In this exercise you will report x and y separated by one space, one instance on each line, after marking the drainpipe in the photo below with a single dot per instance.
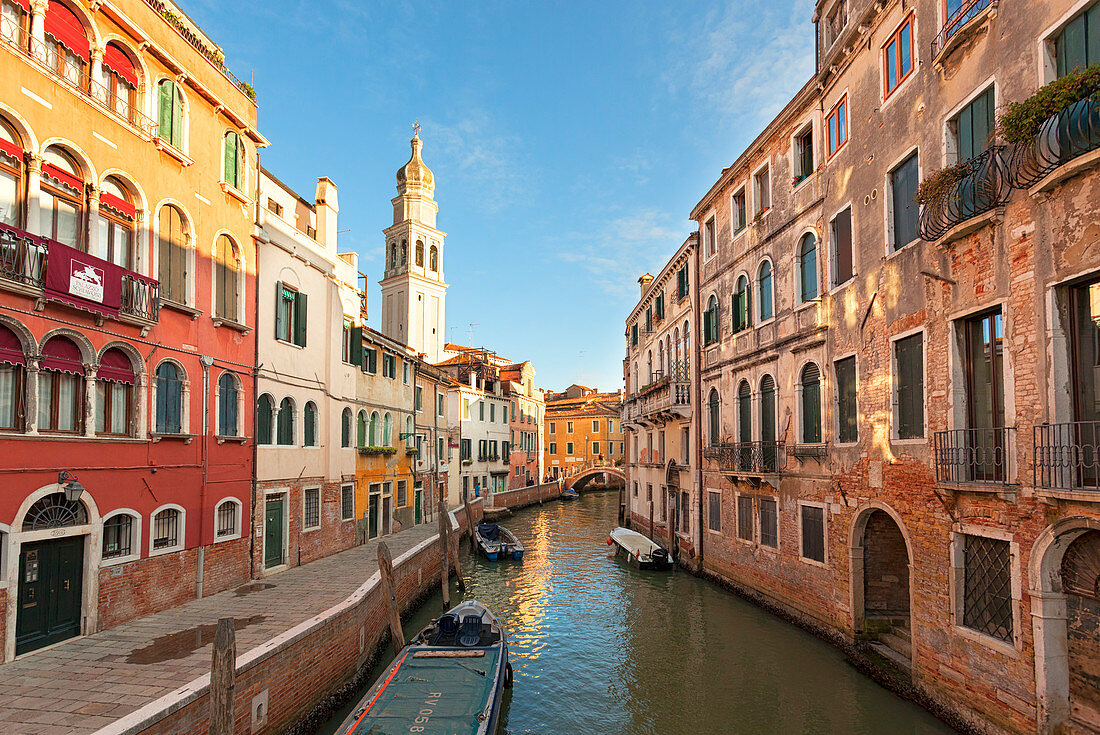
206 361
697 351
255 379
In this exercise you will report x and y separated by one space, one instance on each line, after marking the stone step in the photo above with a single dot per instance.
887 652
902 645
902 632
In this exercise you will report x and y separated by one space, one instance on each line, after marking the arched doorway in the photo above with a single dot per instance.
51 572
880 580
1081 585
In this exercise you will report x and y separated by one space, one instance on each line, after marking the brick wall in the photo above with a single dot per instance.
146 586
303 546
526 496
885 567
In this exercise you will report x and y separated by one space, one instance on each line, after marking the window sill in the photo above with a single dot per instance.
229 323
232 439
223 539
165 147
988 641
796 185
185 438
168 550
311 529
1080 496
909 442
235 193
843 285
812 562
73 438
183 308
117 561
289 344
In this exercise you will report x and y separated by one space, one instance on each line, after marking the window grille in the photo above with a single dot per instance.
117 537
987 590
166 529
347 502
227 519
312 507
54 511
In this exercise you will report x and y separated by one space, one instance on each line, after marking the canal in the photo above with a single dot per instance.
600 647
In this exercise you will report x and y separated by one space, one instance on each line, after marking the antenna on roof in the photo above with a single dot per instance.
470 333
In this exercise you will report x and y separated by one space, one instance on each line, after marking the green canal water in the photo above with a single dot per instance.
601 647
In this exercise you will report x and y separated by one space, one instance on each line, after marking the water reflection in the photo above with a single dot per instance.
600 647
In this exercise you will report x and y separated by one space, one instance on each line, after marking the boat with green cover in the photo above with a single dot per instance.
449 681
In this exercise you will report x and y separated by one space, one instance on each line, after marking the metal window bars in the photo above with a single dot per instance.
22 257
987 586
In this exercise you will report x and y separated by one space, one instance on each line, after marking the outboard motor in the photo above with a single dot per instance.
660 556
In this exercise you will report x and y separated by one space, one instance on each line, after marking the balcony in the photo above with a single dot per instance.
974 456
1068 135
1067 457
752 459
969 189
667 398
45 269
959 25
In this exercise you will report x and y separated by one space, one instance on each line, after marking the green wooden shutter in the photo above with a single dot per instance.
229 159
300 319
238 169
356 345
706 326
280 312
177 118
164 110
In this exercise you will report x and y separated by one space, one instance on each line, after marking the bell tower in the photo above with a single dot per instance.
414 294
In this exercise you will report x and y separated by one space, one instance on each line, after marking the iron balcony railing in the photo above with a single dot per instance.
140 297
756 458
1067 456
979 456
1073 132
984 186
22 257
966 13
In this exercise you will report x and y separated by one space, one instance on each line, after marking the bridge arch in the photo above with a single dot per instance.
583 477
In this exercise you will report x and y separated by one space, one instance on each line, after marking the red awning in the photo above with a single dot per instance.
63 25
120 63
11 149
119 205
115 367
62 355
11 349
25 4
62 176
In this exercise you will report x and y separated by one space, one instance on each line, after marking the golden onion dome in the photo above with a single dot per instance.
415 173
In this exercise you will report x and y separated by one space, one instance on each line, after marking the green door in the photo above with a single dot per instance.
417 494
51 574
372 515
273 533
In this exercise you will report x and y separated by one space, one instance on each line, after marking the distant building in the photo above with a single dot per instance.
528 410
582 425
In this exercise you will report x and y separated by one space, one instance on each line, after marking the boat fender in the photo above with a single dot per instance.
508 675
609 541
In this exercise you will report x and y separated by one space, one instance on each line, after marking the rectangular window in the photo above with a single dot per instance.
659 306
769 523
290 315
611 426
370 360
440 449
985 408
596 425
402 494
1078 45
709 232
714 508
840 231
419 398
389 366
569 448
904 210
837 127
553 448
405 373
553 429
635 489
909 382
481 410
987 586
973 128
568 427
482 449
897 57
846 409
737 211
466 408
467 449
804 155
492 412
648 319
682 283
311 508
685 513
744 517
347 502
634 335
345 346
438 404
596 448
761 191
813 533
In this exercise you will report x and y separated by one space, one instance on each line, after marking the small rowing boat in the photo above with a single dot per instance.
570 494
639 550
450 679
498 543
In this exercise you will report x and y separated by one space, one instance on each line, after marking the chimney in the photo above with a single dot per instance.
328 207
645 280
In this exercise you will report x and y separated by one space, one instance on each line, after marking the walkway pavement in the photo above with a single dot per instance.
86 683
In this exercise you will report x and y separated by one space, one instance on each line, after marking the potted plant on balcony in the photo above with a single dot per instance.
1022 121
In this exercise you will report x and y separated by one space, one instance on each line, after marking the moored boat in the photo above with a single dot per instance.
450 679
639 550
570 494
498 543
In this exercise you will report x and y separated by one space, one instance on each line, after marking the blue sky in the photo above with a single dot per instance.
569 140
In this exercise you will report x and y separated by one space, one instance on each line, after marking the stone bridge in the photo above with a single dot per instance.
583 475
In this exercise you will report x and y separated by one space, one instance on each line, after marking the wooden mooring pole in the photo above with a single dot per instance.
445 563
469 520
223 666
458 563
385 568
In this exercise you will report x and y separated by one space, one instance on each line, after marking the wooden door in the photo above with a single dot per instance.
51 574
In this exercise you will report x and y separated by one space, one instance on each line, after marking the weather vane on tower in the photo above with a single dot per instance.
416 129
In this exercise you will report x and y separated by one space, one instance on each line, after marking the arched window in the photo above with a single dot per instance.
714 418
61 197
765 307
116 223
661 360
284 425
676 347
387 431
363 436
404 252
228 395
119 82
309 425
170 118
687 340
742 305
420 253
345 428
710 321
807 267
811 404
119 539
233 160
265 419
172 270
13 375
433 258
393 255
169 399
226 270
114 397
67 47
11 168
15 23
649 367
167 531
227 519
55 511
770 452
61 387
